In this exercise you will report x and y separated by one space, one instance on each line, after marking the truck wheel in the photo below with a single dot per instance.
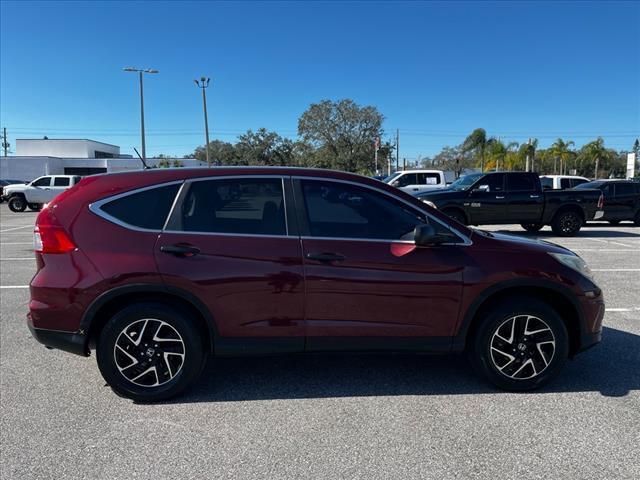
35 207
457 215
567 223
17 204
532 227
520 345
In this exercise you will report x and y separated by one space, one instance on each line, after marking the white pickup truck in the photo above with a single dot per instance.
417 181
38 192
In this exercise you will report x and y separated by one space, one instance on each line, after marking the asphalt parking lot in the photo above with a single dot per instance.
340 416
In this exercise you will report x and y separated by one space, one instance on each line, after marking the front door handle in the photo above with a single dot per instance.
534 196
180 250
499 197
325 257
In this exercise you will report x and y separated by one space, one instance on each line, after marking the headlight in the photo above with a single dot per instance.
431 204
574 262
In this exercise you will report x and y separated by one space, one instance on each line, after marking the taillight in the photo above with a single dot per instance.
49 236
601 201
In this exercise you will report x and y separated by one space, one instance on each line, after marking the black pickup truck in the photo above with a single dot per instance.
515 197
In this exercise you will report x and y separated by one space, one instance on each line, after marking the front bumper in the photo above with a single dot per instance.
71 342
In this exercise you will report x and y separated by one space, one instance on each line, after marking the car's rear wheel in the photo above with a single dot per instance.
457 215
520 345
532 227
17 204
150 352
567 223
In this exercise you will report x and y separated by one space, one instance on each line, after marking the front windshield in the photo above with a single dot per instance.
390 178
463 183
589 185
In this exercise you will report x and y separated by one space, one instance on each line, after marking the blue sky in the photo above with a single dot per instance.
435 70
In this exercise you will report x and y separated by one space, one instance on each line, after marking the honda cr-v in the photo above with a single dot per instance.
156 270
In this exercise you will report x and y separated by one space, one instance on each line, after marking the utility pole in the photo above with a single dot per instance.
376 146
140 71
203 84
596 173
397 149
5 142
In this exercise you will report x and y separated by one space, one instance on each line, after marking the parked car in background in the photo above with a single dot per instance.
417 181
561 182
5 182
239 261
38 192
621 199
515 197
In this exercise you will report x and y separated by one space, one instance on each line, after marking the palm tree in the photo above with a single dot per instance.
477 142
595 151
528 151
560 151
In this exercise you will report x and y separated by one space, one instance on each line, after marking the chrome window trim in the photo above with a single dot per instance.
466 240
189 181
94 207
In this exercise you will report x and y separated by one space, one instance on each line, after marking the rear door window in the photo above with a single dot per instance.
565 183
61 181
624 189
146 209
246 206
428 179
547 183
521 183
578 181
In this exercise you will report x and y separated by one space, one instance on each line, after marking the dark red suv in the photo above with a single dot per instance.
158 269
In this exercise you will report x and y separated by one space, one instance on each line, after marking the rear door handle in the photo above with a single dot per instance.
180 250
499 198
534 196
325 257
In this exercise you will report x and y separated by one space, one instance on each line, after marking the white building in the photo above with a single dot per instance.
65 148
72 157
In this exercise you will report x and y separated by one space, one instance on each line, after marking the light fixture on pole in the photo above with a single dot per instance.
140 72
203 83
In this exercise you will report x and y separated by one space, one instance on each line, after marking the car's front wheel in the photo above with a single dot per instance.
532 227
17 204
150 352
520 345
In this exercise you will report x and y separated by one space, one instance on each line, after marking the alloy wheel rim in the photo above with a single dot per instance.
149 352
522 347
569 223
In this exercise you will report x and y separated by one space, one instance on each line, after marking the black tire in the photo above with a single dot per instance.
457 215
534 354
180 336
532 227
614 222
567 223
17 204
34 207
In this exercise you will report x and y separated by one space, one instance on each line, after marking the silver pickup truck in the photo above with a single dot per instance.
38 192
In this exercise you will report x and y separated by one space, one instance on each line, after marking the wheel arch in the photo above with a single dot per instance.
103 308
573 207
560 298
455 208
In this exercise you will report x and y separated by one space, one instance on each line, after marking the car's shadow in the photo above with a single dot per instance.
611 368
585 232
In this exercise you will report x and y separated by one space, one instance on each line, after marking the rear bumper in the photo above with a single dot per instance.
71 342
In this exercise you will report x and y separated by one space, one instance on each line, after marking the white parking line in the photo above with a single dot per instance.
609 242
16 228
13 286
632 309
17 243
604 249
16 259
615 269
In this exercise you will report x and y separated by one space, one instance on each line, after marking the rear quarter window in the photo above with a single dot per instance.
144 209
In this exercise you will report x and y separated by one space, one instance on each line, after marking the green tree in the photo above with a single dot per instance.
264 148
528 150
561 152
477 142
220 153
343 134
591 156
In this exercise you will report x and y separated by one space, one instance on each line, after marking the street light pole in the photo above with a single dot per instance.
140 71
203 83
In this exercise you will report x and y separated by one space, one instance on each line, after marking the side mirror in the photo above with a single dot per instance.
425 235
